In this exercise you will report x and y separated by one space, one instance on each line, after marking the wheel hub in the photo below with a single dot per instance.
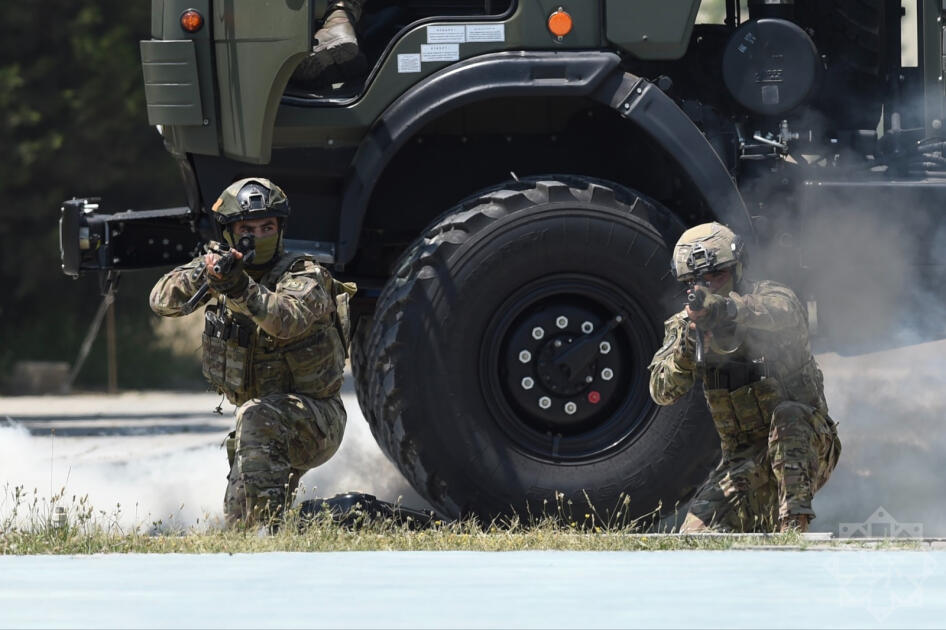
553 386
563 373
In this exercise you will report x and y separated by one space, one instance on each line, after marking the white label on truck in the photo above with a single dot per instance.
446 34
408 63
439 52
485 32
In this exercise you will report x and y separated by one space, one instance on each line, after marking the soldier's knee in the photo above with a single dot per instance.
258 421
790 422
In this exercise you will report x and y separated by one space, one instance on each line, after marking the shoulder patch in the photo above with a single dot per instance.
294 284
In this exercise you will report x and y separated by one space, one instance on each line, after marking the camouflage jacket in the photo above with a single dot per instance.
769 336
279 336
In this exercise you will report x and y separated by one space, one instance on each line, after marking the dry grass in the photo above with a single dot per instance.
35 526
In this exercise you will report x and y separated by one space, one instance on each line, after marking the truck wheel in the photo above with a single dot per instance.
507 357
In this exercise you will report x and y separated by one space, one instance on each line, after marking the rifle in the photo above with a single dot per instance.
246 246
695 299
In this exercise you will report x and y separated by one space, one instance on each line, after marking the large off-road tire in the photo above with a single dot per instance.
458 378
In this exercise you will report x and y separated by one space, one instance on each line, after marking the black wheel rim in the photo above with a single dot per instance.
562 364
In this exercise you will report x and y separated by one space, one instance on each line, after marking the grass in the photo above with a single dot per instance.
35 526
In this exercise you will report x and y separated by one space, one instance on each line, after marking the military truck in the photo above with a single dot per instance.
506 184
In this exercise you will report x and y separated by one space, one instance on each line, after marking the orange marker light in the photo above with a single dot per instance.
560 23
191 21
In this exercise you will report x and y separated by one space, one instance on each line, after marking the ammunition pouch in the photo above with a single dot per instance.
244 362
743 414
226 353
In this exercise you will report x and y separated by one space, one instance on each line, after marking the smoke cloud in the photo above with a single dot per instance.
142 476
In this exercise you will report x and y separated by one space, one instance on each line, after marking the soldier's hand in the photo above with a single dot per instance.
232 282
212 258
684 353
715 313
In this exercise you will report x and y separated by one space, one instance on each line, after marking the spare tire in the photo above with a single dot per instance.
506 363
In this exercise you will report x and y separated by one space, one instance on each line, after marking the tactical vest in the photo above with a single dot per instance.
743 389
243 362
742 411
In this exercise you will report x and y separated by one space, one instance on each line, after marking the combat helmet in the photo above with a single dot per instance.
253 198
707 248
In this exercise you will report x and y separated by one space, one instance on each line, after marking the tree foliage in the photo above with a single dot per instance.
72 123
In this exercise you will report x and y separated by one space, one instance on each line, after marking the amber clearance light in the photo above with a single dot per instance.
560 23
192 21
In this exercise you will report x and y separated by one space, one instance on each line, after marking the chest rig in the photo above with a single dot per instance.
743 388
243 362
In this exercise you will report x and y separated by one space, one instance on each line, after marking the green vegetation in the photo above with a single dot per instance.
73 123
32 526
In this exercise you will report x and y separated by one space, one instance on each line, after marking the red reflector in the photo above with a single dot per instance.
191 21
594 397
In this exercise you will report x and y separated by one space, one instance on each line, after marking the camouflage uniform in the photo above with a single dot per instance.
274 343
779 445
276 353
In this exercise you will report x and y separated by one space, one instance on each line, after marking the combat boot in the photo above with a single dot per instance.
336 56
793 523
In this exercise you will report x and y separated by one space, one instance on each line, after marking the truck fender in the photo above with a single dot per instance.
595 75
650 109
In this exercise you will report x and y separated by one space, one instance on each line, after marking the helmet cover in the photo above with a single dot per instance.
705 248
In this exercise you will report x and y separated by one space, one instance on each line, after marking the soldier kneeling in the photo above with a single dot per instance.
274 343
748 343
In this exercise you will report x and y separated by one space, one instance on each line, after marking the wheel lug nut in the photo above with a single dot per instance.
527 382
607 374
561 321
545 402
587 327
525 356
570 407
558 343
538 333
604 347
589 379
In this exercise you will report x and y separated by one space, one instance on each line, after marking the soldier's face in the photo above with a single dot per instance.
260 228
716 280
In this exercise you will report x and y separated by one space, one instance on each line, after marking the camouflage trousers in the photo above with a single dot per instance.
770 478
277 439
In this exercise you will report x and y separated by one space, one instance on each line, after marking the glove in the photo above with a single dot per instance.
233 283
717 312
684 348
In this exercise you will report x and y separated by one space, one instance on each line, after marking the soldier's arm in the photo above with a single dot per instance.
773 308
176 287
672 370
299 302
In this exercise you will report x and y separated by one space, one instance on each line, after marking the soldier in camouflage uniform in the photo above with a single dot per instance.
761 382
275 339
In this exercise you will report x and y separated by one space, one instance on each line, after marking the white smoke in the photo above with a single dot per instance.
890 407
176 479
